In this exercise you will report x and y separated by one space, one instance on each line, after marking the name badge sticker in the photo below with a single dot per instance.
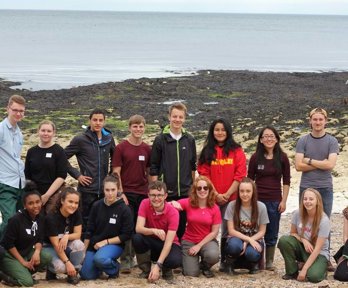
141 158
112 221
48 155
28 231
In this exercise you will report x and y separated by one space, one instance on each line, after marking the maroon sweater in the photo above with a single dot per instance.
268 181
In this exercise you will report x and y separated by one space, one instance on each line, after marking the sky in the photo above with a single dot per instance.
330 7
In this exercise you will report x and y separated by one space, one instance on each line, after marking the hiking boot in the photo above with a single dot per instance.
50 275
74 280
330 267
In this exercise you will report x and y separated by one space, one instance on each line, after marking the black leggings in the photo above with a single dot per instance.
341 272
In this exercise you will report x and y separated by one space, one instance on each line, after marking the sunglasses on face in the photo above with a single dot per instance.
200 188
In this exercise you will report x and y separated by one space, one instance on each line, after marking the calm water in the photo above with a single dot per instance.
57 49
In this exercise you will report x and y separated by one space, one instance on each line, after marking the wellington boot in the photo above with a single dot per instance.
270 250
144 264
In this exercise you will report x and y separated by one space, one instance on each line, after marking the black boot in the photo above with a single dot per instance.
9 281
254 268
205 267
50 275
229 265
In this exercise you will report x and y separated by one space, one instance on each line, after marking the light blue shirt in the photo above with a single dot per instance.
11 165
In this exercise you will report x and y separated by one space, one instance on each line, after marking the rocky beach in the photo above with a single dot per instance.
249 100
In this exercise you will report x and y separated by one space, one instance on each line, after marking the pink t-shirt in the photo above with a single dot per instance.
199 221
167 220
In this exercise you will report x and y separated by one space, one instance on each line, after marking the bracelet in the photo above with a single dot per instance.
66 261
159 264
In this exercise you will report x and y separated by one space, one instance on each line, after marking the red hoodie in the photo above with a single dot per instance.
224 170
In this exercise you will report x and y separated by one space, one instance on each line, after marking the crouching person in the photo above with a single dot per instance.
110 224
155 239
23 239
308 240
64 228
247 219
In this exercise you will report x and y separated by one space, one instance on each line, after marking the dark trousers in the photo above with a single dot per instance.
143 243
341 272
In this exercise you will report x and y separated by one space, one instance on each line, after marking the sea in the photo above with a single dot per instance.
63 49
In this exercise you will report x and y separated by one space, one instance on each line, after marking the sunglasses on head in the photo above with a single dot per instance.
200 188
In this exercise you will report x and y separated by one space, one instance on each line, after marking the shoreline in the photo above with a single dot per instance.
249 100
61 82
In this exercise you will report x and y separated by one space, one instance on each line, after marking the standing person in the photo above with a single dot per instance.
12 178
203 224
23 241
223 161
110 225
316 155
46 165
131 162
63 229
246 222
269 166
155 237
173 158
93 150
308 240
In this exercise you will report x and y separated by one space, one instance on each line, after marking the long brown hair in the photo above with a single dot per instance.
254 207
319 211
193 192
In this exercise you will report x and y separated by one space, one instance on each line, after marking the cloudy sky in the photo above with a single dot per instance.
339 7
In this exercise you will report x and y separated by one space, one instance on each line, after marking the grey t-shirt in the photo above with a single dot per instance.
324 231
318 149
245 217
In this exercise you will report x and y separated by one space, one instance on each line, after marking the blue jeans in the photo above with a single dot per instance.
272 229
234 247
102 260
327 197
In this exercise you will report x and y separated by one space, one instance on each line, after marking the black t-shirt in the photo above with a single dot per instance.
58 225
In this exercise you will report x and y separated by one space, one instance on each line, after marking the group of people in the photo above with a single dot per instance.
136 200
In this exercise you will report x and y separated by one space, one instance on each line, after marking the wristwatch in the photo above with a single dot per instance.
310 161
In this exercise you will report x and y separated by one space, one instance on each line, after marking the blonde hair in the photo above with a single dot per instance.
47 122
177 105
136 119
319 212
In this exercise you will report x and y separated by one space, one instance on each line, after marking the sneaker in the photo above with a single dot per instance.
74 280
9 281
50 275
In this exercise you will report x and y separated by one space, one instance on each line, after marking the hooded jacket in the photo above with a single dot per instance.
93 156
173 162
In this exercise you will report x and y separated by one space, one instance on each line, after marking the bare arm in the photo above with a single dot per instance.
326 164
117 170
168 242
312 257
282 204
212 235
300 165
141 229
53 188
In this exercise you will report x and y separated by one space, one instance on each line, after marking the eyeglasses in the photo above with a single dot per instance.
200 188
268 137
159 196
16 111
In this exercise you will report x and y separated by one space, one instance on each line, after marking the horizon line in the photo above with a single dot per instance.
174 12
